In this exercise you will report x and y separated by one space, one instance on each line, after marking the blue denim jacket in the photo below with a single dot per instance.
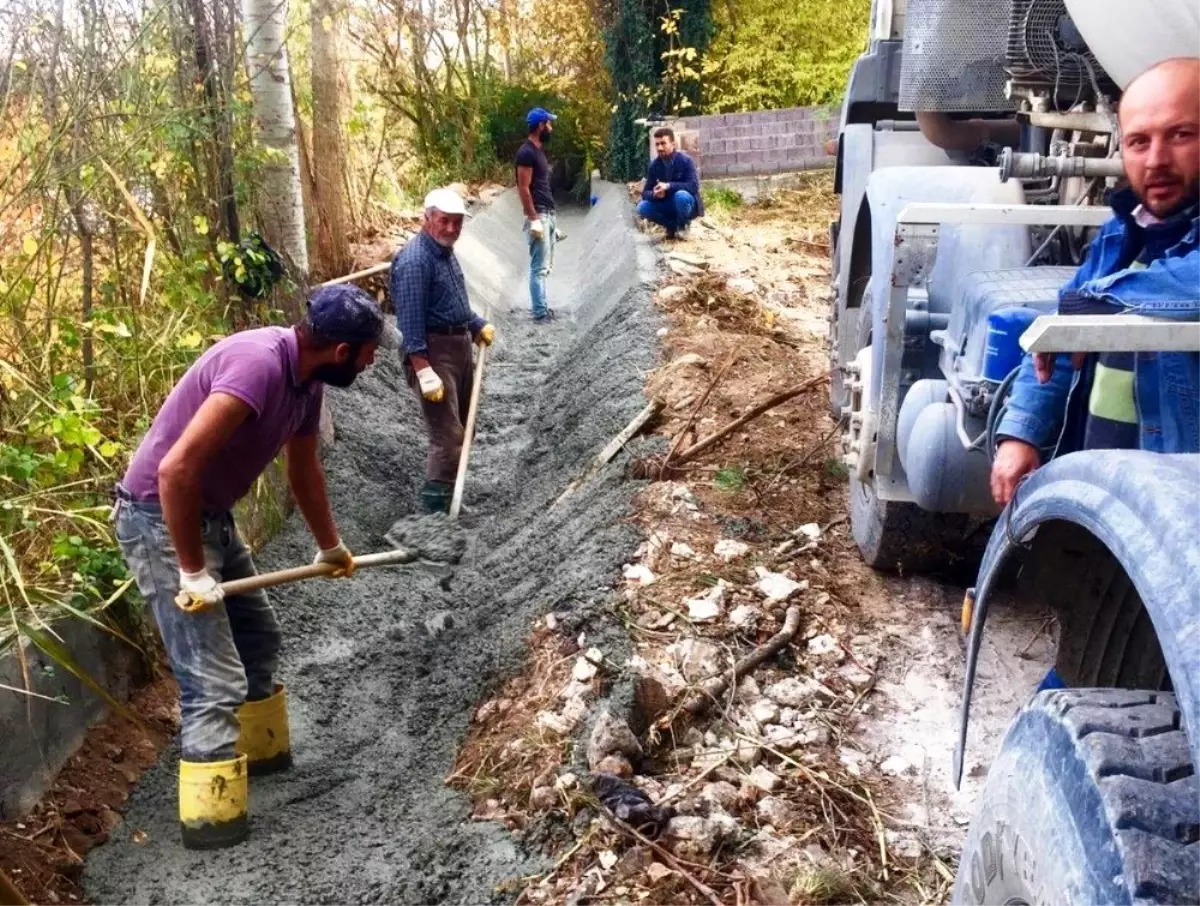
1166 385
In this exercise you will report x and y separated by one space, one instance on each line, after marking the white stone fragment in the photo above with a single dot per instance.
776 587
684 551
707 606
729 550
638 574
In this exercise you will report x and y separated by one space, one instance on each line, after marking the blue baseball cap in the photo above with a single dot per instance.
539 115
346 314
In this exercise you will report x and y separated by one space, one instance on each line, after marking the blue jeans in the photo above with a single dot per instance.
221 657
674 213
541 262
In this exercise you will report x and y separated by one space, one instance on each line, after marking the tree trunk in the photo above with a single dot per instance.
328 144
216 113
281 210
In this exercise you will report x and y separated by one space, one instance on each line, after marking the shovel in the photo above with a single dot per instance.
297 573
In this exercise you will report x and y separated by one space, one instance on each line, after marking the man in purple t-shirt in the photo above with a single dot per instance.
245 399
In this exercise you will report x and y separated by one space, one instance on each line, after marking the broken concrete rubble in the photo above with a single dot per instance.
743 616
638 574
779 813
721 793
765 711
777 587
697 658
792 691
764 779
729 550
611 736
707 606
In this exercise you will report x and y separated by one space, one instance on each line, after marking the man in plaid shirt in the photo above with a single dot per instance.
439 328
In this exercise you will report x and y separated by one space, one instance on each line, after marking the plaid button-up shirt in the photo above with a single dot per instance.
428 290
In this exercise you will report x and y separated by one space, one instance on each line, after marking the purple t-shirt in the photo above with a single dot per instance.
259 368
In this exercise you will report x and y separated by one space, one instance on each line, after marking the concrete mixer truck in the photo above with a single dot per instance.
977 141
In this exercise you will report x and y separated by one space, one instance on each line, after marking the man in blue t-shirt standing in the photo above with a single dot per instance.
537 201
671 197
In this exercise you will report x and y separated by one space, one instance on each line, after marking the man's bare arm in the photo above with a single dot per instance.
307 480
182 469
524 184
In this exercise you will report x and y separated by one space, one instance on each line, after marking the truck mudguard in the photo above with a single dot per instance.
1144 508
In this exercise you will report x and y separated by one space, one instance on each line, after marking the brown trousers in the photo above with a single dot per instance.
451 359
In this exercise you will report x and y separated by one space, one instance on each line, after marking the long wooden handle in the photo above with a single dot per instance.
468 435
9 895
314 571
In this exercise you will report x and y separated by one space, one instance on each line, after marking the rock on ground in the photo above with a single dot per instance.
611 736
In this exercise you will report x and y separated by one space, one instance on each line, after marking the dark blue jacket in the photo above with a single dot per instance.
1166 384
679 172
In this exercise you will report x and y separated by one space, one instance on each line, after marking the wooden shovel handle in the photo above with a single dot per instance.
315 571
468 435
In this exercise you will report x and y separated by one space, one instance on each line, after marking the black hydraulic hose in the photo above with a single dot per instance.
996 410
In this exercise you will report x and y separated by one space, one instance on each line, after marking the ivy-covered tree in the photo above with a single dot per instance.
629 56
654 50
683 31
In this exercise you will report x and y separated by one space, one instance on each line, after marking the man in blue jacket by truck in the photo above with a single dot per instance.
1146 260
671 197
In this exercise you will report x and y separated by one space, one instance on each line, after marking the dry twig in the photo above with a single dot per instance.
614 446
666 856
712 688
765 406
696 409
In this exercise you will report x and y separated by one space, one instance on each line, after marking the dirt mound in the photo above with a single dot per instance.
384 670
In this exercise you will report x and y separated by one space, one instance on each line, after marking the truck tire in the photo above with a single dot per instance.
1092 799
901 537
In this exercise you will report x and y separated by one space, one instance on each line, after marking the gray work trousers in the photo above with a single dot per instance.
450 356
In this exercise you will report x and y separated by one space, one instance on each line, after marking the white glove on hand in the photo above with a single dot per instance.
339 556
432 387
198 591
537 229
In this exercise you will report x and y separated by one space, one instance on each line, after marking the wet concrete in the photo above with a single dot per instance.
383 670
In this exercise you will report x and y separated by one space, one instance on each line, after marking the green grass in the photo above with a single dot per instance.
721 199
731 479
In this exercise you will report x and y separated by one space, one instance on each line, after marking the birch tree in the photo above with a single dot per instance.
281 207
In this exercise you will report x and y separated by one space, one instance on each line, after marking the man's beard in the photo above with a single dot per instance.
336 375
1188 199
544 137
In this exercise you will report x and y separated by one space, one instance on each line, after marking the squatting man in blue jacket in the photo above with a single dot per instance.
1146 261
671 197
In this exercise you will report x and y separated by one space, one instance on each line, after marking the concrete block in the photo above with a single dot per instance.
712 120
740 169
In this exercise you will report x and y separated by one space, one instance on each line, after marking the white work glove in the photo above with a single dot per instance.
559 235
198 591
339 555
432 387
537 229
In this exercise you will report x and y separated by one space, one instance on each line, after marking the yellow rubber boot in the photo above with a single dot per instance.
264 737
212 803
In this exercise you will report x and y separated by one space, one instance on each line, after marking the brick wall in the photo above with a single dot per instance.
754 144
